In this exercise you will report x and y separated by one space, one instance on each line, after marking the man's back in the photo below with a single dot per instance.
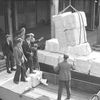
64 71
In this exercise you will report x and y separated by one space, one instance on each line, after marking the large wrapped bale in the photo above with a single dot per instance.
49 58
53 59
68 20
80 19
75 36
80 50
72 20
70 28
36 78
59 31
42 55
71 60
95 68
82 65
94 55
52 45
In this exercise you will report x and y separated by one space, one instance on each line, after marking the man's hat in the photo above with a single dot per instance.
27 36
22 30
8 35
66 56
31 34
19 40
35 45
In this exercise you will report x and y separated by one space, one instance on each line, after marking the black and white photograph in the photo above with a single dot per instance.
49 49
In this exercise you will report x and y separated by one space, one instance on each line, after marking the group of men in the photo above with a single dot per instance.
22 54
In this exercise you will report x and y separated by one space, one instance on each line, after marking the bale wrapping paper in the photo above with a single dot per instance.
82 65
95 67
70 28
80 50
52 45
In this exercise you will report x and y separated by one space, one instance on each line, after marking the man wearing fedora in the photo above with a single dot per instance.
8 54
64 75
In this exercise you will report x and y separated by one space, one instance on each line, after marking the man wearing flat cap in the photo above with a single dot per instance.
33 40
64 74
8 54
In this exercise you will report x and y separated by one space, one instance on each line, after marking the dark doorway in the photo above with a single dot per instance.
35 16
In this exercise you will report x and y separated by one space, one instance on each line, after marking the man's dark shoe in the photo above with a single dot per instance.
67 98
24 80
9 71
13 69
16 82
26 76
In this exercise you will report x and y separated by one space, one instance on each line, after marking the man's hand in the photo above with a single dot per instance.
5 57
31 54
73 66
41 38
20 64
25 59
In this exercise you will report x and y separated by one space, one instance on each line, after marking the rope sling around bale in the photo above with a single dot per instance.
69 6
80 17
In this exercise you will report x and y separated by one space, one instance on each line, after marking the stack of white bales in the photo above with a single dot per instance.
49 58
35 78
59 28
95 63
70 31
83 49
82 64
71 34
52 45
95 67
70 38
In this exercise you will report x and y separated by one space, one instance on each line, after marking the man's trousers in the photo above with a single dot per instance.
10 63
67 86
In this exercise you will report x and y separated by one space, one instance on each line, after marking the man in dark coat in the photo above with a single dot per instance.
64 71
36 41
35 57
28 53
8 54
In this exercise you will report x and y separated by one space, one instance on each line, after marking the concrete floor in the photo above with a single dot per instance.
41 92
